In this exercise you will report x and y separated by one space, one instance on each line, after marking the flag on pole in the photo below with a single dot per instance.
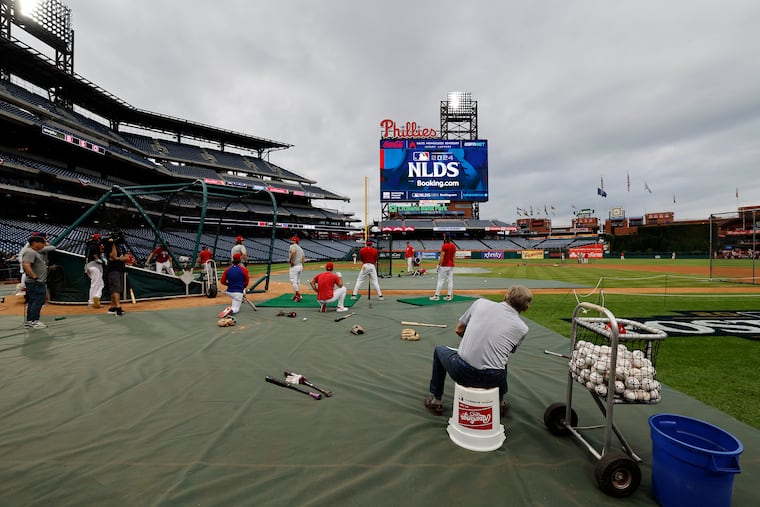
674 198
737 192
628 181
600 191
646 187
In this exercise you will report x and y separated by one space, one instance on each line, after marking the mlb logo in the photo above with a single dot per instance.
421 156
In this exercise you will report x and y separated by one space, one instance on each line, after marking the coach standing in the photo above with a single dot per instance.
36 271
368 255
445 270
295 258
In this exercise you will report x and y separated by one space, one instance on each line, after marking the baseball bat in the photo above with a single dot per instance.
344 317
303 380
250 303
282 383
550 353
132 294
406 323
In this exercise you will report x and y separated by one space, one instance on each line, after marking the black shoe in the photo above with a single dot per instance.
435 408
504 408
119 312
112 310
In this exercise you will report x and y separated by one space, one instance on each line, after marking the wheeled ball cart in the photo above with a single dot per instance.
614 360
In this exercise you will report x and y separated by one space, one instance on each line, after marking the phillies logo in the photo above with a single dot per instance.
476 418
389 129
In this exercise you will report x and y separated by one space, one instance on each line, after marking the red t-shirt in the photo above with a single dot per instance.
409 251
204 256
448 250
160 254
325 285
368 255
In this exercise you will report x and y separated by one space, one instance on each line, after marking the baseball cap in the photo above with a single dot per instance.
239 238
40 234
369 241
295 238
237 257
329 266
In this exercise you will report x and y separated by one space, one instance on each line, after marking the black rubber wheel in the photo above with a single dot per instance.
617 474
212 290
554 419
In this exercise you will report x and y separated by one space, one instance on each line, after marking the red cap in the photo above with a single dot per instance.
329 266
237 257
239 238
295 238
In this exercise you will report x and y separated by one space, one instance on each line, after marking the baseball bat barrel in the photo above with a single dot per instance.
344 317
282 383
407 323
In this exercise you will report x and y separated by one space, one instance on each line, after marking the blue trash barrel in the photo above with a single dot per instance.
693 462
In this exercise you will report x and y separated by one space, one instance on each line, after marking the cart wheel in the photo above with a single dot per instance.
554 419
211 293
617 474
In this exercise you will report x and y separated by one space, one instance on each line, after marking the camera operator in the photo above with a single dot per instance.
117 266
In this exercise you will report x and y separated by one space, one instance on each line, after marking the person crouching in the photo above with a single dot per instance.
329 287
236 278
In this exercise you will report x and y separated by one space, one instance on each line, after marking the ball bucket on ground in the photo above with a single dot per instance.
693 462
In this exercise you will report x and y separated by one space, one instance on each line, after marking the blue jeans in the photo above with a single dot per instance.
36 293
448 361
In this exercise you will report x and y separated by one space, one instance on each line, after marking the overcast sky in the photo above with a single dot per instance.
569 92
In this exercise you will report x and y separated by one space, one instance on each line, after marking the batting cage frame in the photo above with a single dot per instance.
734 245
70 287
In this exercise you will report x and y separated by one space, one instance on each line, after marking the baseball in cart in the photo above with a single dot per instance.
614 360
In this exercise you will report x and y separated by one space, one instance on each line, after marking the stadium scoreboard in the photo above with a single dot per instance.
433 170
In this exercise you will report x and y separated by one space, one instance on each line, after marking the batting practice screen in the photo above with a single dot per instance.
433 169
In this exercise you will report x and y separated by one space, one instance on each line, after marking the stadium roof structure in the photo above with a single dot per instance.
29 64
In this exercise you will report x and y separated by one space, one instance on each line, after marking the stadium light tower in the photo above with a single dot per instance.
459 116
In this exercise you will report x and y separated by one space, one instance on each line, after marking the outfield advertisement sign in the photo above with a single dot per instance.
433 170
744 324
532 254
595 251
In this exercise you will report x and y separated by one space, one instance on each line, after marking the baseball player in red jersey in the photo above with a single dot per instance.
409 255
368 256
163 260
324 284
445 269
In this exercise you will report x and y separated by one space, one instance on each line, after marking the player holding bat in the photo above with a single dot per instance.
324 284
236 278
490 332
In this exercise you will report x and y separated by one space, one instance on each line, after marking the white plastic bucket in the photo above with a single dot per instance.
475 422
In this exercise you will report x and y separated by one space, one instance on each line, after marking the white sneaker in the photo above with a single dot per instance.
39 325
341 309
380 298
28 323
448 298
353 297
226 312
434 298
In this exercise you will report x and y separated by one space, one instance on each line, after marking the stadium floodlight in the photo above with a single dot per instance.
27 7
459 103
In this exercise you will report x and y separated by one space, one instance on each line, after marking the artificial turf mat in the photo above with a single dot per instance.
309 300
425 301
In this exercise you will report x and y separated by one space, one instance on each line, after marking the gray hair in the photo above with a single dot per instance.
518 297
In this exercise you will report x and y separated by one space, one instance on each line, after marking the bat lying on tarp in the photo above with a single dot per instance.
297 378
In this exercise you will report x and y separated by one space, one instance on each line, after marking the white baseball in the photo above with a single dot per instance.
601 389
654 395
647 384
619 387
596 378
632 383
629 395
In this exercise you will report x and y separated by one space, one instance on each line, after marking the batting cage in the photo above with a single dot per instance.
121 207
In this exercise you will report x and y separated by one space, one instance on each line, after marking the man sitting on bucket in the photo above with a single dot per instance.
324 285
490 332
236 278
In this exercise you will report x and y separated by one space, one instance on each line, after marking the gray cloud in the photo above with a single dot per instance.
568 92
